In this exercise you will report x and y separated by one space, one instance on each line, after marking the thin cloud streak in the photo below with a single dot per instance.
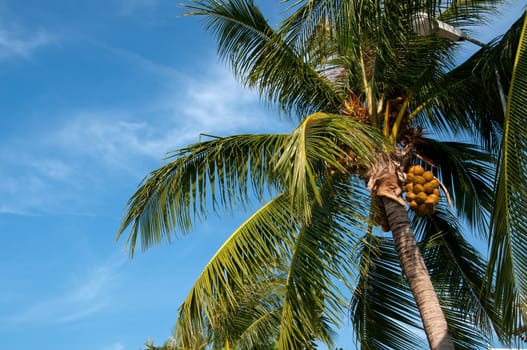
87 297
30 181
11 45
216 106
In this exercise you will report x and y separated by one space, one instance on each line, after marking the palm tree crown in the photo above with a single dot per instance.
371 98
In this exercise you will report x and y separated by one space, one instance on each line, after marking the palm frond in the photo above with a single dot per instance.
216 173
322 139
265 326
260 58
220 172
466 101
508 258
253 252
253 322
319 258
468 173
370 47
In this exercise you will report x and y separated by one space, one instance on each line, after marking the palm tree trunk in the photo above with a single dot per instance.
414 267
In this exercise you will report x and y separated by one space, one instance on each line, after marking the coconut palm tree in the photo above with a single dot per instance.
377 106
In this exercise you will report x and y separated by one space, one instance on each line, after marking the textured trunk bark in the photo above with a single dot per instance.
414 267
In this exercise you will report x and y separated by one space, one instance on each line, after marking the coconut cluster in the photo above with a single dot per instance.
421 190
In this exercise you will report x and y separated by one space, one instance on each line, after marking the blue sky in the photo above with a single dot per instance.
92 96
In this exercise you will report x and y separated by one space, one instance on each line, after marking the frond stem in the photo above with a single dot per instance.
369 93
400 115
387 121
419 108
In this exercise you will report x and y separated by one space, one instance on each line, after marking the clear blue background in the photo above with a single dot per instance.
92 96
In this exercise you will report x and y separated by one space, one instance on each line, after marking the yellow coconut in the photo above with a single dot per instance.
428 175
419 180
418 189
434 182
418 170
429 187
410 196
421 197
409 177
409 187
436 192
432 200
413 205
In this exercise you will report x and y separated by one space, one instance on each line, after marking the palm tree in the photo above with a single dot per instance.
371 98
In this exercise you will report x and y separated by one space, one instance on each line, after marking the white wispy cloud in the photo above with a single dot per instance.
20 38
216 105
21 192
83 297
101 136
30 181
50 167
12 44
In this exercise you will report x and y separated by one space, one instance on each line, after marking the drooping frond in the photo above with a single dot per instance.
383 310
467 173
261 331
211 174
458 274
321 257
252 324
508 257
220 172
254 252
261 59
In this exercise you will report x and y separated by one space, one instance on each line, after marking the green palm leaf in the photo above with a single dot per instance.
253 322
361 55
319 258
216 173
322 139
265 327
466 100
260 58
465 14
508 260
252 252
